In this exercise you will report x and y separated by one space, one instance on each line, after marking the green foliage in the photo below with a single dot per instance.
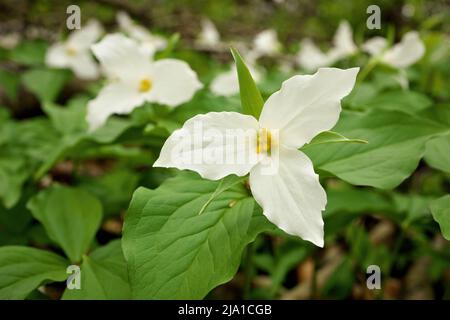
23 269
204 230
396 144
104 275
440 209
251 99
70 216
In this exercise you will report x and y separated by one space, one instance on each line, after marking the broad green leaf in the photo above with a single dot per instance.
13 174
114 189
333 137
187 237
23 269
401 100
69 119
251 99
103 275
29 53
440 209
46 84
396 144
437 153
71 217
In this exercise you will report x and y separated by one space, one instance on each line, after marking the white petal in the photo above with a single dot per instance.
225 84
115 98
84 66
57 56
121 58
85 37
266 42
292 198
343 41
209 36
310 57
407 52
307 105
124 20
375 45
215 145
174 82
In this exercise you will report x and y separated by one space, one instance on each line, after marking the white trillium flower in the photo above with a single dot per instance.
310 57
209 37
343 44
266 44
135 79
402 55
149 42
227 83
75 54
291 196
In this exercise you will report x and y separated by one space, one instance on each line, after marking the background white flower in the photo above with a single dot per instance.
402 55
227 83
266 44
209 37
75 54
135 79
310 57
149 42
291 197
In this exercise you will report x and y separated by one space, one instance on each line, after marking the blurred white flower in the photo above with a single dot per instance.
343 44
310 57
266 44
209 37
75 54
149 43
402 55
135 79
227 83
291 196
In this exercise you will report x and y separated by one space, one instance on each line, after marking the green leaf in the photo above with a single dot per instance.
396 144
13 174
187 237
333 137
103 275
440 209
24 269
114 189
29 53
251 99
46 84
71 217
404 100
69 119
437 153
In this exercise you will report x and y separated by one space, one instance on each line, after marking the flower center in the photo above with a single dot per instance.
264 141
145 85
71 51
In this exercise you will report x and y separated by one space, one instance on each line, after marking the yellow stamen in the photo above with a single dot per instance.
264 141
145 85
71 51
